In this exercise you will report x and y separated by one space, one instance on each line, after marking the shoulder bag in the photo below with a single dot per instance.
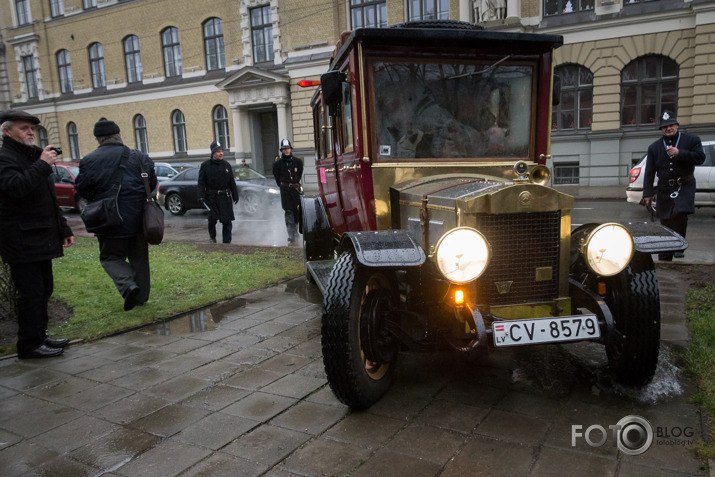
103 214
153 215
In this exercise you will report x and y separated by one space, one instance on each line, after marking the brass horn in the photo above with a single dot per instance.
540 175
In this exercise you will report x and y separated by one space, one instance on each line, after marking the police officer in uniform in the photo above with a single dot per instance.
288 171
673 159
218 192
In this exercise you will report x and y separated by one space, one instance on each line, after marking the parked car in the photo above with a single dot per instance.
181 166
164 171
255 191
704 179
63 175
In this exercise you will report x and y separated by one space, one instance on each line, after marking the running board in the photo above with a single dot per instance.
319 270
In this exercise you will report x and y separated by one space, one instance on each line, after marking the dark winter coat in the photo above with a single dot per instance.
32 227
681 166
288 171
96 173
217 188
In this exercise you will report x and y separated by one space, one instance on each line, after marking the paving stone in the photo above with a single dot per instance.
167 458
111 450
169 420
79 364
250 356
399 406
142 378
259 406
324 396
278 343
266 445
182 363
267 330
325 457
492 458
364 429
215 372
177 388
240 341
63 465
60 390
118 351
452 415
23 457
183 345
213 336
31 379
131 408
473 393
426 442
314 369
253 379
212 352
8 439
553 462
99 396
241 324
389 463
215 397
74 434
108 372
40 419
309 417
514 427
310 349
630 469
6 393
215 430
295 386
224 465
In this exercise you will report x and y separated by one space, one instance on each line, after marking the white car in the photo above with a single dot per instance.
704 179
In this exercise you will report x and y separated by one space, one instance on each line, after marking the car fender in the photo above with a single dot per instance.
383 248
317 234
648 237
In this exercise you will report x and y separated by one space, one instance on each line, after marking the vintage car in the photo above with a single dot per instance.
434 227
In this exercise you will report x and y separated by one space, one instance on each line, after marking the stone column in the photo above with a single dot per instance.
512 9
465 11
284 126
239 124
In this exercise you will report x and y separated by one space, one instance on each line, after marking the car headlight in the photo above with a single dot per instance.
608 249
273 191
462 255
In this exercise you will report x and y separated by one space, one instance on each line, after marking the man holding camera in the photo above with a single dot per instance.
672 158
32 230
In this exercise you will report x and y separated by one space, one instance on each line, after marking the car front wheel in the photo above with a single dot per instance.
175 204
250 203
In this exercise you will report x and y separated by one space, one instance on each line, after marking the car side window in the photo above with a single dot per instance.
709 156
192 175
60 175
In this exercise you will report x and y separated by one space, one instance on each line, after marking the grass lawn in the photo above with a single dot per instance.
183 277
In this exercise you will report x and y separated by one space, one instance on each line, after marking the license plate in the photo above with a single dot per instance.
545 330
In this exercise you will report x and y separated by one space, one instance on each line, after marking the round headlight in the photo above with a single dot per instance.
462 255
608 249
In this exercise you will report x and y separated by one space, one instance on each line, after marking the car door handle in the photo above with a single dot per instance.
349 168
329 170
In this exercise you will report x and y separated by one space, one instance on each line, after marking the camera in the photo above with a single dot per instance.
57 150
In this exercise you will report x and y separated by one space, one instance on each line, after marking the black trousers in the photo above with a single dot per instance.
126 261
34 284
226 228
677 223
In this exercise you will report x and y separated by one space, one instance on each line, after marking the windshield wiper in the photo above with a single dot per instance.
485 70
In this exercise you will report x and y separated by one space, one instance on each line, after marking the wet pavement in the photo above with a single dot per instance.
239 389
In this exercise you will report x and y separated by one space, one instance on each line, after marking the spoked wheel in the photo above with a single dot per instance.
635 302
250 203
175 204
358 353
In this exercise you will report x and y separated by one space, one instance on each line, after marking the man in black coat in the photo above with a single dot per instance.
123 251
288 171
673 159
32 230
218 192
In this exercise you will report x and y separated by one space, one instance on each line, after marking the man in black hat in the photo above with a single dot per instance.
288 171
218 192
123 251
673 159
32 230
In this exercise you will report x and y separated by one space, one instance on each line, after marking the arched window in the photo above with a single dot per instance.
172 51
140 135
575 108
64 68
220 119
649 85
132 59
42 137
96 65
213 44
74 140
178 125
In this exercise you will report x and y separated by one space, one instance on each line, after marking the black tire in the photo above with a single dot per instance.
250 203
355 380
175 204
635 302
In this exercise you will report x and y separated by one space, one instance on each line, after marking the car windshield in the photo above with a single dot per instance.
433 110
74 170
246 174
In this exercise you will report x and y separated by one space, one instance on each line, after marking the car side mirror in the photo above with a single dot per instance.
332 86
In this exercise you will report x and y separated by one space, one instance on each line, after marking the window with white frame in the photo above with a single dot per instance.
262 34
178 126
57 8
172 51
428 10
42 137
575 108
140 134
213 44
28 64
22 10
64 69
96 65
74 140
132 59
368 13
220 120
562 7
649 85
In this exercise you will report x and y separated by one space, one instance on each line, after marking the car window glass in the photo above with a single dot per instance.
191 175
246 174
709 155
61 175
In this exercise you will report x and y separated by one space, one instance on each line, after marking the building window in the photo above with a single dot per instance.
178 125
89 3
57 8
649 85
566 173
220 119
132 59
96 65
74 140
28 63
262 34
428 10
575 108
64 68
561 7
140 135
368 13
172 51
213 44
42 137
22 9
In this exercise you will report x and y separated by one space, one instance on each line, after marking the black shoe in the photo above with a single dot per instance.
130 299
679 254
41 352
212 240
56 342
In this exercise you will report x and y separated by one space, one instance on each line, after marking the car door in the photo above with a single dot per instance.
189 188
64 186
705 178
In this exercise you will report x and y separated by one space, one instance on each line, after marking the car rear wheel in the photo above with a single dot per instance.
250 202
358 353
175 204
635 302
81 203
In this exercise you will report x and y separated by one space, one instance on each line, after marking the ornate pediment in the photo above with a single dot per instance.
250 77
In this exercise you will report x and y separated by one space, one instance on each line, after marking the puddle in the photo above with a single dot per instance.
198 321
664 385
